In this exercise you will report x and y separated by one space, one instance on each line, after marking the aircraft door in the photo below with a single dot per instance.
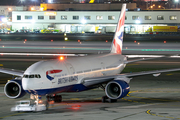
103 67
70 68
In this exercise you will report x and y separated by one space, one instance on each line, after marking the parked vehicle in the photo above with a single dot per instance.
28 105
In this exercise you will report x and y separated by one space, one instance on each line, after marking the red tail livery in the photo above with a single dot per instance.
118 36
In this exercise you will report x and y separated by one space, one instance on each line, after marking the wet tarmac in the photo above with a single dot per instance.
156 98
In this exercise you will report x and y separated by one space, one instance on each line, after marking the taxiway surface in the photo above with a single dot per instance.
156 98
130 47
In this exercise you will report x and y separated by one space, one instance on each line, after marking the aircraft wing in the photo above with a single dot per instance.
97 80
12 72
135 74
142 59
148 57
126 77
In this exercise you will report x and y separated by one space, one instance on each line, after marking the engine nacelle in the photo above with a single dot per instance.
13 89
117 89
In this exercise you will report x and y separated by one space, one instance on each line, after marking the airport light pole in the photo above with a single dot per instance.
177 3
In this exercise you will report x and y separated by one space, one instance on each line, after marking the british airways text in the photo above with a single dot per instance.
67 79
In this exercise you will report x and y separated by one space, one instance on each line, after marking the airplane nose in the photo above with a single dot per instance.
25 84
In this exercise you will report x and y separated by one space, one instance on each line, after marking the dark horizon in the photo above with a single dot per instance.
30 2
19 3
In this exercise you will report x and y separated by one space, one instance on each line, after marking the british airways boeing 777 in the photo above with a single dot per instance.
47 78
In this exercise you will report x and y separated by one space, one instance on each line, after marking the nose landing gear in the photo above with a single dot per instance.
40 105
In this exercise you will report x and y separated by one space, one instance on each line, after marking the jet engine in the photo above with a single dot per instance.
13 89
117 89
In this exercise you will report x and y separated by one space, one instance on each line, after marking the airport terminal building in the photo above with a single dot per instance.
96 21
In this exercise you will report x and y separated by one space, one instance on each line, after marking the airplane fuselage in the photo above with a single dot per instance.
55 76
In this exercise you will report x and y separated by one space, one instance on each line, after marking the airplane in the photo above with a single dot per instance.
51 77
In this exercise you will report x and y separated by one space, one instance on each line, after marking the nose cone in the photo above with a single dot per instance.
28 82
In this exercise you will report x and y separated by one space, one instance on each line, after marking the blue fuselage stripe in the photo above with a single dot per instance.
71 88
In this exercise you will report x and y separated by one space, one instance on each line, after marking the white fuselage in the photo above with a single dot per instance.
54 74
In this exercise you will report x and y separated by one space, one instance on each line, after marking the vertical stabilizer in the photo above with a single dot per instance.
117 43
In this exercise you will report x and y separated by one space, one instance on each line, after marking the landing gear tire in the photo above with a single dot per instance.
112 100
56 98
47 105
106 99
48 98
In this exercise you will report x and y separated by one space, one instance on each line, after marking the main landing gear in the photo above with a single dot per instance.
55 98
106 99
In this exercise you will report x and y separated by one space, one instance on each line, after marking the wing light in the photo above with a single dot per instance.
61 58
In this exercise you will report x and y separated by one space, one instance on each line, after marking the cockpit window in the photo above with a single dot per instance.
39 76
36 76
25 76
32 76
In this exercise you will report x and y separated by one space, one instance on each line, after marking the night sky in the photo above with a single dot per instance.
18 2
30 2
